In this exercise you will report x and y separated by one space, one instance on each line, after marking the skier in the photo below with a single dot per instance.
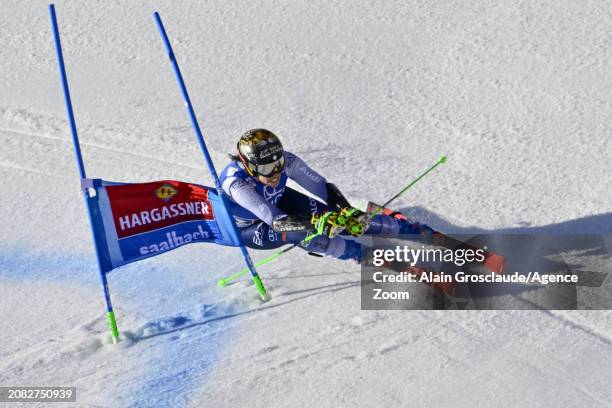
255 182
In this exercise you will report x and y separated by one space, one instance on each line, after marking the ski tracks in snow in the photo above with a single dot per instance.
44 141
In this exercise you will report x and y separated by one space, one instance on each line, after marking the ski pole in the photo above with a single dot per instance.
225 281
441 160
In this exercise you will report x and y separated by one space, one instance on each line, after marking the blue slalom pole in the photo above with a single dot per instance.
79 159
211 168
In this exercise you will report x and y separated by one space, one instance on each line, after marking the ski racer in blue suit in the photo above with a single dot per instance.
256 185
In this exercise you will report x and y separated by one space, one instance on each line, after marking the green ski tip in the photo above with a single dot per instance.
221 282
442 159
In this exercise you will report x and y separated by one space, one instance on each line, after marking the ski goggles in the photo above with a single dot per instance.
267 170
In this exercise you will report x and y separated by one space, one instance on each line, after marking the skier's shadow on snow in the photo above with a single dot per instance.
592 224
515 296
544 249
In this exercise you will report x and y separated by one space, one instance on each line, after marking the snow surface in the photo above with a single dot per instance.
516 94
